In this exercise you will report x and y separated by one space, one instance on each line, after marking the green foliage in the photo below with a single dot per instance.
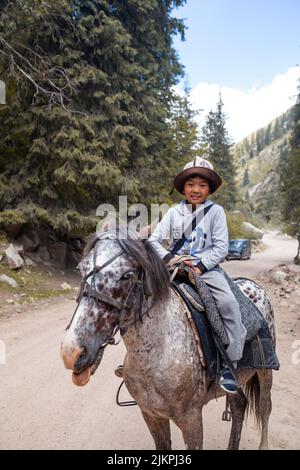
289 182
235 228
119 125
246 178
217 143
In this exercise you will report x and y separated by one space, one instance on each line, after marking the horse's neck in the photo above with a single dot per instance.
164 318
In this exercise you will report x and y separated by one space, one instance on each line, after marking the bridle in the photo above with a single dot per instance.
90 291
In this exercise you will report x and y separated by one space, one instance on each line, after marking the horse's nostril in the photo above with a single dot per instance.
82 354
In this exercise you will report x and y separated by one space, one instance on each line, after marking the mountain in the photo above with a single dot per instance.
256 159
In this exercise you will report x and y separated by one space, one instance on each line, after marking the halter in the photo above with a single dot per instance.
90 291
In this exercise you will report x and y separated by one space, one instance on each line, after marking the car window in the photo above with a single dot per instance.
235 244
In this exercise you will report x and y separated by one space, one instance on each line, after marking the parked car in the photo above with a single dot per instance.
239 249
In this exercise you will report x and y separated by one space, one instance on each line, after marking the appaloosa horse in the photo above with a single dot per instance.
126 286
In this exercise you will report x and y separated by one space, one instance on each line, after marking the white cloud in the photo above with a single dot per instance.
250 110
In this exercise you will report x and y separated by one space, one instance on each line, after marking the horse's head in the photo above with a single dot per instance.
120 277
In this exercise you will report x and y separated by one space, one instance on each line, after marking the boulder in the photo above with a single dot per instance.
253 231
278 276
8 280
29 244
73 258
43 253
58 253
29 261
13 230
12 257
65 286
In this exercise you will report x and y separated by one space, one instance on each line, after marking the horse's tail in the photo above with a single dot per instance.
252 392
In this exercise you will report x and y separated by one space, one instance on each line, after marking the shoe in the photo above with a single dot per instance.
227 381
119 372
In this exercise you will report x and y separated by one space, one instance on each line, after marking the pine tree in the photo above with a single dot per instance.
246 178
290 181
217 143
114 66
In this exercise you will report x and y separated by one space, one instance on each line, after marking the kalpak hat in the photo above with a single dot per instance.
198 167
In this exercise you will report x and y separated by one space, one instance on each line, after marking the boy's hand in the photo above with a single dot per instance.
194 268
197 271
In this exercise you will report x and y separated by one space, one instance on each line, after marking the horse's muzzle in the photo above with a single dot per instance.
71 355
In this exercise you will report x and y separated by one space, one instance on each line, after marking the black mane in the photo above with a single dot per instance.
156 273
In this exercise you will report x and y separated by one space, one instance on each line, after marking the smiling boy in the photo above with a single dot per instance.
207 244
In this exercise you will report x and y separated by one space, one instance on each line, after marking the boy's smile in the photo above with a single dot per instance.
196 190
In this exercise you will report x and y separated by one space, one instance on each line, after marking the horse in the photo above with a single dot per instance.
126 287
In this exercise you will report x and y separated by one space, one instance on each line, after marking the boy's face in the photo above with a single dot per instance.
196 190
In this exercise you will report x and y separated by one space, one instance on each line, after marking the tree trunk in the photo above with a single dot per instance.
297 257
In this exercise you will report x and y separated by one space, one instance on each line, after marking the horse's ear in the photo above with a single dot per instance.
147 231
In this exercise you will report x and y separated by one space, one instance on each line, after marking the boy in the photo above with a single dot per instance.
207 244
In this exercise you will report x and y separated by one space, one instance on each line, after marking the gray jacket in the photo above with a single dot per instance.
207 244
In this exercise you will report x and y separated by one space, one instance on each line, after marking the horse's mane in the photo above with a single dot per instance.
144 254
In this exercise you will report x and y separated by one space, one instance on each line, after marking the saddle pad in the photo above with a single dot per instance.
188 292
259 353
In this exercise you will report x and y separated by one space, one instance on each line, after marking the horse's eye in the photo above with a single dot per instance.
127 275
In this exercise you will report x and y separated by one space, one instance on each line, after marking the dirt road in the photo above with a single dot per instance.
40 408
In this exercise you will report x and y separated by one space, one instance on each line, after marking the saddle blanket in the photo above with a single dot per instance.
259 352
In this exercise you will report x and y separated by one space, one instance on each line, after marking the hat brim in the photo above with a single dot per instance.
212 176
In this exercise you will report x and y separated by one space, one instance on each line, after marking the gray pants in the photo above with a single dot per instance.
229 310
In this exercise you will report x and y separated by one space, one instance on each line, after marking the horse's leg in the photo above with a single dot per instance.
190 424
160 431
238 403
265 378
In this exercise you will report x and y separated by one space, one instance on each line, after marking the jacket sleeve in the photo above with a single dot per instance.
219 242
162 232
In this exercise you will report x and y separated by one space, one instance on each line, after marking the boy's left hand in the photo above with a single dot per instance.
194 268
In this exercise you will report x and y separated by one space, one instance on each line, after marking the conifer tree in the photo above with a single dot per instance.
290 181
93 120
246 177
216 140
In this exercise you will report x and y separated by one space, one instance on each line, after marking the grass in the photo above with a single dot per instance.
32 283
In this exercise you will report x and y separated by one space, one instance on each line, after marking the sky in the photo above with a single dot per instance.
248 50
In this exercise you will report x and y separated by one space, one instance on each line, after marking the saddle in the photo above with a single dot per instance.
258 352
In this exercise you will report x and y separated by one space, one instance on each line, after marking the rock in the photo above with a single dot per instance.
18 247
281 267
256 232
288 289
29 262
12 257
73 258
284 304
10 301
18 310
43 253
76 244
35 258
13 230
65 286
29 244
279 277
8 280
58 253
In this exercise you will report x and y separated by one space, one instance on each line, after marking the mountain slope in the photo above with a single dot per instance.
256 158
